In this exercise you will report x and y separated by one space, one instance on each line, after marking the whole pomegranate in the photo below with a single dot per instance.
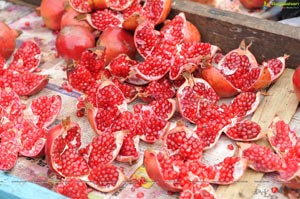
73 40
68 19
7 40
253 4
117 41
52 11
296 82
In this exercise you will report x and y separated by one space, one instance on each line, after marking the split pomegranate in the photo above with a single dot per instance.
33 139
116 41
73 40
296 82
73 188
45 110
237 71
27 58
156 90
106 178
161 169
104 149
281 137
180 30
199 190
8 38
24 84
183 141
52 11
194 96
62 150
260 158
243 130
103 19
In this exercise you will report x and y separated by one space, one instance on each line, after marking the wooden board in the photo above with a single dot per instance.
227 29
281 101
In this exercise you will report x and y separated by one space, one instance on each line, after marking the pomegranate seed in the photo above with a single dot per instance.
230 147
140 195
274 189
80 113
27 23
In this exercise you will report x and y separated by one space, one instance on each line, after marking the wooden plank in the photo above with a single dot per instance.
12 187
282 102
226 30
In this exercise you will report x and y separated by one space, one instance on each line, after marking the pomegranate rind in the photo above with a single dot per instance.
154 171
218 82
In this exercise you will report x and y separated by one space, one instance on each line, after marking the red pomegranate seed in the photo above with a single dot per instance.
140 195
274 189
27 23
230 146
80 113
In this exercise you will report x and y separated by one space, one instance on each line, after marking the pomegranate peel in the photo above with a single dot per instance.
154 171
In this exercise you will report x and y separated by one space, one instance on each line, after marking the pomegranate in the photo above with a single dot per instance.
73 188
253 4
281 136
199 190
83 6
194 96
268 162
296 82
24 84
102 19
179 29
116 41
52 11
183 141
244 130
237 71
73 40
8 38
45 110
27 58
62 155
69 19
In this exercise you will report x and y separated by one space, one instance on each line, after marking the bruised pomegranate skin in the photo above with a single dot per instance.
117 41
296 82
252 4
73 40
8 38
52 11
